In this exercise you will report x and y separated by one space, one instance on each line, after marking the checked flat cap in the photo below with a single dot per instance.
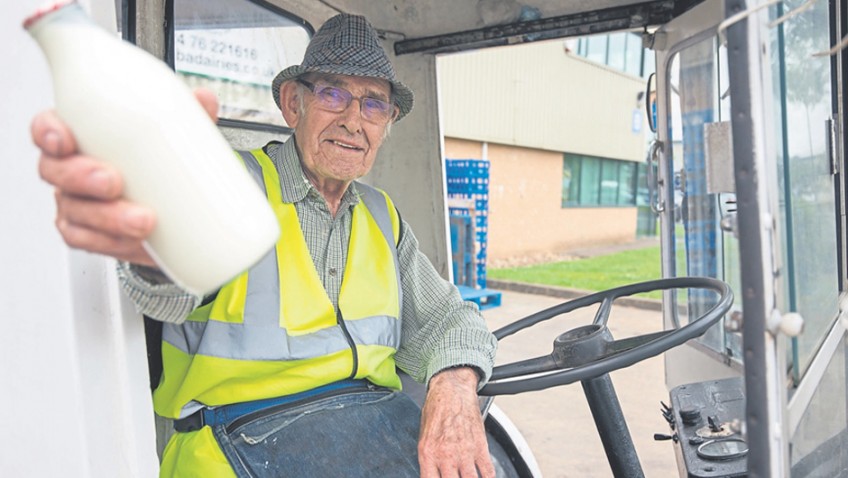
347 45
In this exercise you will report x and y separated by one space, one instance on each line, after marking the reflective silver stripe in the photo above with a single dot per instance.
246 342
187 337
379 208
254 168
260 336
263 280
377 330
262 302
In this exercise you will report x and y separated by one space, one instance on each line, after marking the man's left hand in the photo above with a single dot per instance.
453 441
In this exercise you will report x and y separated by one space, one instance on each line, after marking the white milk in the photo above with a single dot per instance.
128 108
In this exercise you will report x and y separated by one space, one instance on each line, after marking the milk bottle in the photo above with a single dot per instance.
128 108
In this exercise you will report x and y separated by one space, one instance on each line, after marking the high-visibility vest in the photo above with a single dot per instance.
273 330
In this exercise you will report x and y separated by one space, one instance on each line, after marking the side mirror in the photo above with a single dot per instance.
651 102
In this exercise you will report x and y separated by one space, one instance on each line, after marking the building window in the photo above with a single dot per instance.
622 51
596 48
635 58
617 51
591 181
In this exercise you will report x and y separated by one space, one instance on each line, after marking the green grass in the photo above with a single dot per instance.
593 273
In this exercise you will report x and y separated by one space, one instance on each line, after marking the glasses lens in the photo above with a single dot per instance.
338 99
374 109
332 98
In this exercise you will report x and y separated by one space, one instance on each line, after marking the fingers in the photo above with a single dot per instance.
51 135
464 471
485 466
453 440
114 228
438 467
91 213
429 469
115 218
472 460
208 100
130 250
81 176
62 166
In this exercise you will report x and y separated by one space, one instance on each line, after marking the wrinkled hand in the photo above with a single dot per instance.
453 441
91 212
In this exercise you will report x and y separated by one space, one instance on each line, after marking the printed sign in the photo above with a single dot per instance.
243 55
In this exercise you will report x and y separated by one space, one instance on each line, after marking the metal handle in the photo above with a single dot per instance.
657 205
831 134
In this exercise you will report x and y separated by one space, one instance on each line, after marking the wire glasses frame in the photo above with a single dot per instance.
336 99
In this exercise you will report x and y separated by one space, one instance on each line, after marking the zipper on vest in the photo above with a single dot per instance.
350 342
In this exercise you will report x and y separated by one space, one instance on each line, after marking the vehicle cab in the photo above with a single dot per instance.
745 175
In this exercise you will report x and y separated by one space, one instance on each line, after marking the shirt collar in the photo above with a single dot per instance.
294 185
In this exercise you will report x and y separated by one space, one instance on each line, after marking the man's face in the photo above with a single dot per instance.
336 146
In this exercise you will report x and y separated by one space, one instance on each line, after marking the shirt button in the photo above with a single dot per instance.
332 271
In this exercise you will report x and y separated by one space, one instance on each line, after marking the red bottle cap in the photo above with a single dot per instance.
45 10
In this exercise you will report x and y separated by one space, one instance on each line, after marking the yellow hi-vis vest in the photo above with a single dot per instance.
273 331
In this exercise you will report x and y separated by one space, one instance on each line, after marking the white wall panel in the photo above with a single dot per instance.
73 375
538 96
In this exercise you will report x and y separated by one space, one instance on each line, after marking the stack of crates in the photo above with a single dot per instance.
468 195
462 249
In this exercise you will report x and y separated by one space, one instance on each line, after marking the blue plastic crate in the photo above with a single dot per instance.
467 168
468 179
481 276
484 298
463 260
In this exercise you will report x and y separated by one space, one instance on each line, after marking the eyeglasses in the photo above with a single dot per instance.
335 99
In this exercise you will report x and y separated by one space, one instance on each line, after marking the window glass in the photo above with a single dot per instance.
646 220
235 48
626 183
616 51
642 185
590 181
633 54
649 63
582 46
571 182
609 183
699 247
597 49
622 51
803 93
818 446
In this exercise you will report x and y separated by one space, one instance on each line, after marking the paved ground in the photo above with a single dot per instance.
557 422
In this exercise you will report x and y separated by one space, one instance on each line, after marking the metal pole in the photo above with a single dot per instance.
612 428
749 70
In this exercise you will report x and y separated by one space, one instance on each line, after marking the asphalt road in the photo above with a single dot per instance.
557 423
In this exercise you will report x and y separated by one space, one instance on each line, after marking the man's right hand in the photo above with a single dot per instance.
91 211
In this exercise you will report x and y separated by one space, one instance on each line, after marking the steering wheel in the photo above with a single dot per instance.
590 351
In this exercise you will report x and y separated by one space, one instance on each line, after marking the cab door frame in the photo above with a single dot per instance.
759 240
757 207
692 362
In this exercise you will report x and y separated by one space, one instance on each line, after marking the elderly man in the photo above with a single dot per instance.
291 369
